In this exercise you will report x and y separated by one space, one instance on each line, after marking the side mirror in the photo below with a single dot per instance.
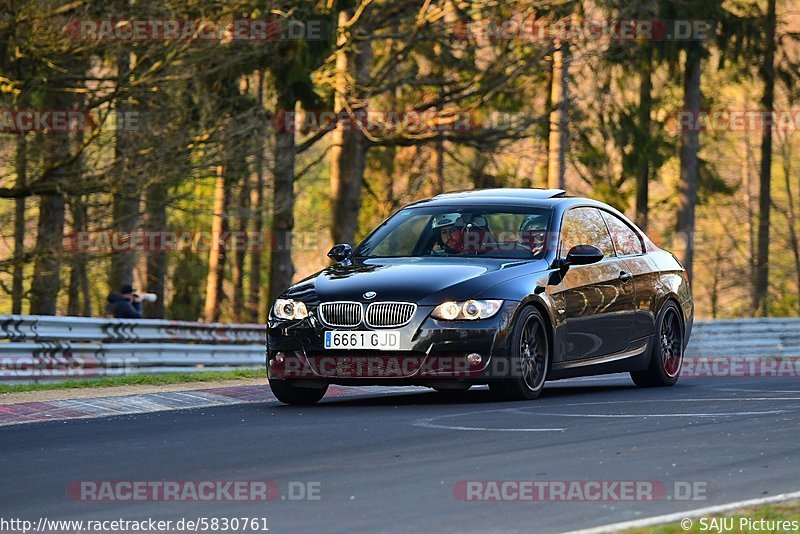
583 255
340 253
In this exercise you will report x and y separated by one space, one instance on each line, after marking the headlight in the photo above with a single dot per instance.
289 309
467 310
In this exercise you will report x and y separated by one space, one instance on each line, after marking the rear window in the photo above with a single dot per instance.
626 240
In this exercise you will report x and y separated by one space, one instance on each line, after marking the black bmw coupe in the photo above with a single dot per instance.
505 287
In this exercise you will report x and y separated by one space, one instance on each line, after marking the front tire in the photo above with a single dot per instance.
529 356
288 393
666 357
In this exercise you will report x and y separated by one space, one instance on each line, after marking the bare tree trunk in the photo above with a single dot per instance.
751 233
216 257
156 261
254 291
339 171
715 282
791 213
79 301
760 300
438 143
645 108
438 166
281 267
559 119
17 288
47 268
349 145
690 165
541 171
388 180
477 170
50 235
239 310
127 194
157 200
387 161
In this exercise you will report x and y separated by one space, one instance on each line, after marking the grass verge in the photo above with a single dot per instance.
137 380
771 514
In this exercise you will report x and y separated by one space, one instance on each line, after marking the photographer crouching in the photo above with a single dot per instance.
127 304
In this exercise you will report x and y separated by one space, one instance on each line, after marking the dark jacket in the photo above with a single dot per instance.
122 308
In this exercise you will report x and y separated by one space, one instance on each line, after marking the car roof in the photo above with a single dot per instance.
555 199
508 196
503 193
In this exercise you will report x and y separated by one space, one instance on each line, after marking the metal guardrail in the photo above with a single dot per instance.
746 338
46 347
48 328
36 347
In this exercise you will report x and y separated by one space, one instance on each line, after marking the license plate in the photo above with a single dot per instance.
362 339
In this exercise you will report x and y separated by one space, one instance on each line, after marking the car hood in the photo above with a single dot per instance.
422 280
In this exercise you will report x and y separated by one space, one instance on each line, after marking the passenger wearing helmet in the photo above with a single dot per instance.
532 232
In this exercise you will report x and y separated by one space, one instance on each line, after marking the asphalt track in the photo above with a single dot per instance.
390 461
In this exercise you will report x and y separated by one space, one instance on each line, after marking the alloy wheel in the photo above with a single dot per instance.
671 344
532 355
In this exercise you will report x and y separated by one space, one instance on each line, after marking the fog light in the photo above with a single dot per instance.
474 359
278 359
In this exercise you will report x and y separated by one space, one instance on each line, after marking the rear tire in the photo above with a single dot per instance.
666 357
529 356
288 393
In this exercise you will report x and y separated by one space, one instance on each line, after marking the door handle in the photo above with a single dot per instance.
625 276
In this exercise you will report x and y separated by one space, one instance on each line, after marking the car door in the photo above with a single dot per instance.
596 301
629 246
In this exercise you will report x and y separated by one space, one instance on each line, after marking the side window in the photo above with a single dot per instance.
585 226
626 241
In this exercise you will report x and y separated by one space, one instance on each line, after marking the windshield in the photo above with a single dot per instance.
486 231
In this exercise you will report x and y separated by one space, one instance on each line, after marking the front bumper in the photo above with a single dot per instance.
431 351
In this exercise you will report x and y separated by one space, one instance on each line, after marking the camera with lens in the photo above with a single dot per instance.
147 297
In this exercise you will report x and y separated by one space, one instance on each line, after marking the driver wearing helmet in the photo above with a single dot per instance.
463 233
449 233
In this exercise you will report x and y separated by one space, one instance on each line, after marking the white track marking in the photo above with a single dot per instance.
729 399
428 422
425 424
646 416
624 377
435 422
671 518
747 390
